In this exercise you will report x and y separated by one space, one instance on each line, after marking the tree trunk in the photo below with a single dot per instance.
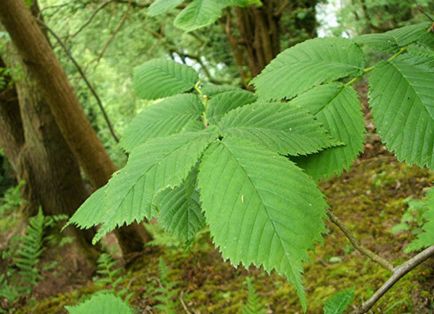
41 62
257 33
39 155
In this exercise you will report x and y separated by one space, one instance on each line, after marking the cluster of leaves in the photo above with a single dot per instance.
198 13
420 216
244 164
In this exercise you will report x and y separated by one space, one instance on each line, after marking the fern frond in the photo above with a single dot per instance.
29 252
7 291
167 292
254 304
109 274
426 237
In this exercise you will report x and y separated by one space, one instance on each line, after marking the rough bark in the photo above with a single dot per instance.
11 128
256 34
41 62
39 155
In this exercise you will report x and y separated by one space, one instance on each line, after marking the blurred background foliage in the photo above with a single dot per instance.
109 38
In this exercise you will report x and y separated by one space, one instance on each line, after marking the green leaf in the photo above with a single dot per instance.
101 303
338 108
426 237
198 14
158 164
160 78
402 103
169 116
180 211
307 65
339 302
162 6
224 102
92 212
278 127
413 33
261 209
152 167
422 51
241 3
211 90
377 41
401 37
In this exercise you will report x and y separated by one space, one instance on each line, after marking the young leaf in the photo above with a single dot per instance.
163 118
278 127
102 303
160 78
338 108
307 65
198 14
426 237
224 102
180 211
339 302
402 103
162 6
261 209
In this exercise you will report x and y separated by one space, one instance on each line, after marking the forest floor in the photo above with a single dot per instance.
370 199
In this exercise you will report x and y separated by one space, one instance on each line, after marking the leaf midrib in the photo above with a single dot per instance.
265 209
396 68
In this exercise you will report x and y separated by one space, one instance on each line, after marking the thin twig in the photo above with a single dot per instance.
184 306
83 75
113 35
398 273
358 246
102 6
425 13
